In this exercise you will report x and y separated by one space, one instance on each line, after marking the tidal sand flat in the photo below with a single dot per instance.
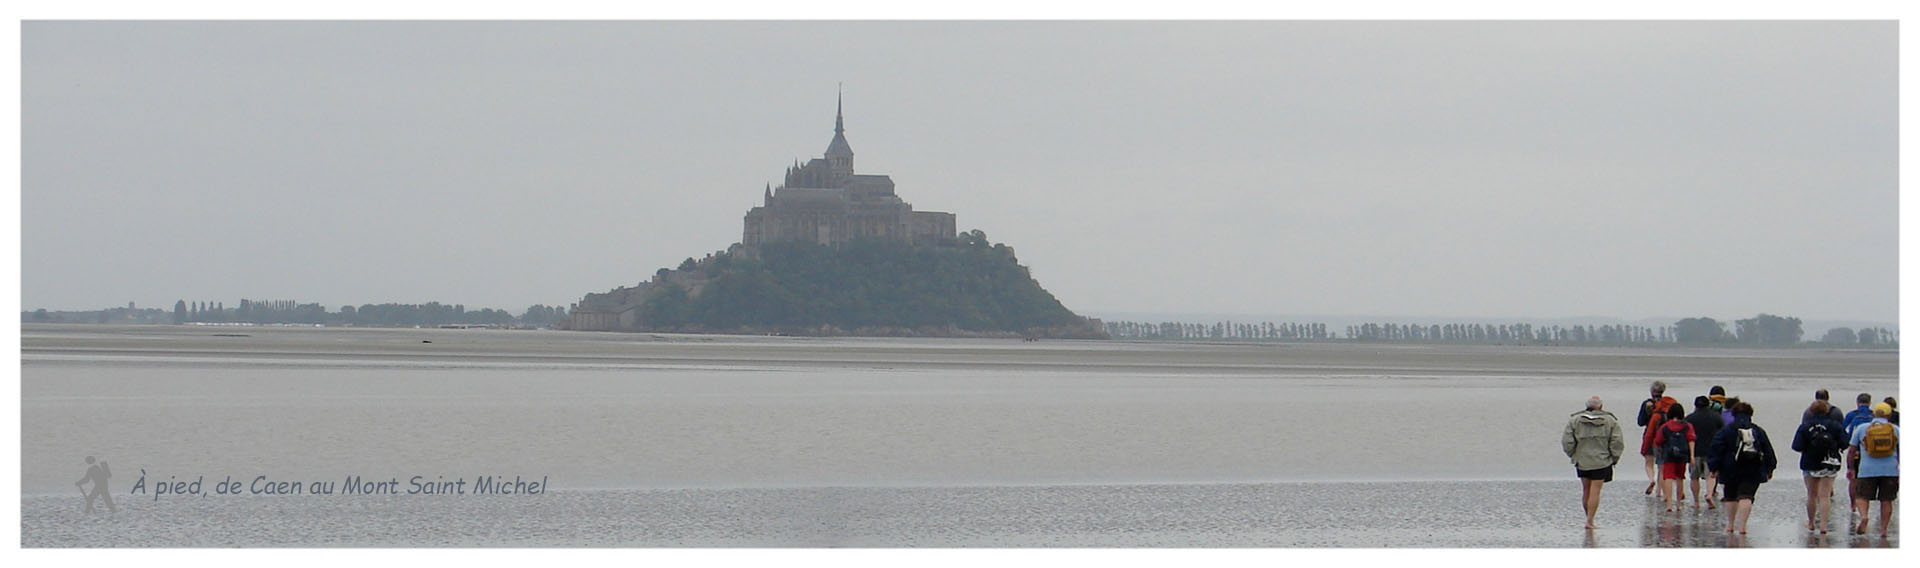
661 440
1405 514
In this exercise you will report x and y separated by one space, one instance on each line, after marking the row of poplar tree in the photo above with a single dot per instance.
1763 329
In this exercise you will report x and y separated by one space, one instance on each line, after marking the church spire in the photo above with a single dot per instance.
839 153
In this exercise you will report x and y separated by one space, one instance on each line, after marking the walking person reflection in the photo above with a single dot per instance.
97 473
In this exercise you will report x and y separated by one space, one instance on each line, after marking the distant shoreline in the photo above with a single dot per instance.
910 334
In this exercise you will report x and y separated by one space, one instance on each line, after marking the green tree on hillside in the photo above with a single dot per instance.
876 284
1700 330
1768 329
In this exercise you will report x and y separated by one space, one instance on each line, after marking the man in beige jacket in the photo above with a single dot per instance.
1594 442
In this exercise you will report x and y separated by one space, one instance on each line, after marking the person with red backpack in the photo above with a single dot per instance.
1653 411
1675 439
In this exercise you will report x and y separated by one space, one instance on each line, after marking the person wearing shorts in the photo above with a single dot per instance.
1741 481
1740 491
1706 422
1860 416
1673 468
1820 439
1649 410
1882 489
1592 440
1879 478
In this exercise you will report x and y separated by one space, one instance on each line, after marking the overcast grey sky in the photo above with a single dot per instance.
1525 169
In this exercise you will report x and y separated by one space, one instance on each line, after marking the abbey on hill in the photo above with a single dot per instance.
833 252
825 202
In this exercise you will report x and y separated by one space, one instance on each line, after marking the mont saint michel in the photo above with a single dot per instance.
834 252
825 202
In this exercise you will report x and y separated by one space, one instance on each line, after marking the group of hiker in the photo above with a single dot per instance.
1718 443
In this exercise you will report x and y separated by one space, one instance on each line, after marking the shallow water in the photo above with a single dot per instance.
730 441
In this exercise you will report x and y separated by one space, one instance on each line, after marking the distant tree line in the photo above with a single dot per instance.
1218 330
291 312
1521 333
1768 329
1760 330
127 315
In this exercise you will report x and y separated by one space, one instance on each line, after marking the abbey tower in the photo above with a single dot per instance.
823 201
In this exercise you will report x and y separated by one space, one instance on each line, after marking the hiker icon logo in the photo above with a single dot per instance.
97 474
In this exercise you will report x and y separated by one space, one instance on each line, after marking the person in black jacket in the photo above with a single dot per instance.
1819 442
1740 475
1706 422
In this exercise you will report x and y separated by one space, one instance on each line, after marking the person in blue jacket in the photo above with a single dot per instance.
1740 478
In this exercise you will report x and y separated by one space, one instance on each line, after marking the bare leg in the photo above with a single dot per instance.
1713 490
1733 508
1679 493
1666 494
1590 498
1653 476
1822 511
1745 507
1694 484
1860 506
1886 517
1813 498
1852 476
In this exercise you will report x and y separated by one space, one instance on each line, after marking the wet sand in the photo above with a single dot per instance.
658 440
372 347
1318 515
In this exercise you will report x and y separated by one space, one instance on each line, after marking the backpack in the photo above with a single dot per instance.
1880 441
1821 440
1676 446
1661 407
1747 452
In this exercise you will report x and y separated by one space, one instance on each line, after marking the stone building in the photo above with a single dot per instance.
823 201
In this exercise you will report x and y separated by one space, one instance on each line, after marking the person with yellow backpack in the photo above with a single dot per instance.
1878 444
